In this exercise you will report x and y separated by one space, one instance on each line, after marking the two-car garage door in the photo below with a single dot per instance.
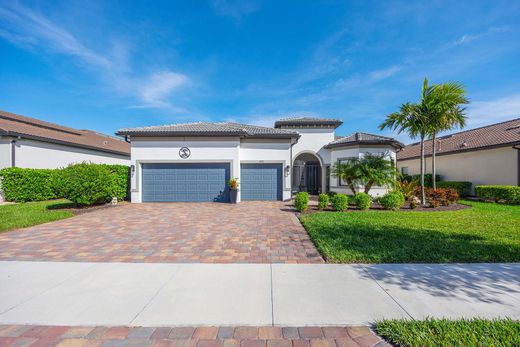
185 182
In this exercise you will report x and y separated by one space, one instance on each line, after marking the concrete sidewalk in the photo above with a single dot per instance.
137 294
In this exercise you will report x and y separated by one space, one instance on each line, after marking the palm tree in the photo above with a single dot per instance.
348 172
446 113
378 170
412 118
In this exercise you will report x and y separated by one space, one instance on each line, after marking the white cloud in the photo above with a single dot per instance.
31 30
493 111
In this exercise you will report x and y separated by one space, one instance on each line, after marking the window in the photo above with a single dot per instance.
404 170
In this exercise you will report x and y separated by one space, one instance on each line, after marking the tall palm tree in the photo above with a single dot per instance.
446 112
412 118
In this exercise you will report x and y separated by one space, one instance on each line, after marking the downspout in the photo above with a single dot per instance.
13 152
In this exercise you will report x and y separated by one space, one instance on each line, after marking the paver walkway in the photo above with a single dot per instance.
62 336
249 232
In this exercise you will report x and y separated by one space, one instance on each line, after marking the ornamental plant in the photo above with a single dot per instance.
339 202
301 201
363 201
323 201
233 183
393 200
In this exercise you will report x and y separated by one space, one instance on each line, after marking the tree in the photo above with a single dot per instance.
378 170
412 118
446 113
348 172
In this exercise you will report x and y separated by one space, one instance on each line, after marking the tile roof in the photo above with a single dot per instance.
364 138
309 121
208 129
16 125
494 135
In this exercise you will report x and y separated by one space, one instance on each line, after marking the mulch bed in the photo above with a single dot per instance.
86 209
406 208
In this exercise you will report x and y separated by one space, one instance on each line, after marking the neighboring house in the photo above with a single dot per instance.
193 161
30 143
486 155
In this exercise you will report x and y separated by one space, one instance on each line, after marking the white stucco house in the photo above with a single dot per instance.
193 161
31 143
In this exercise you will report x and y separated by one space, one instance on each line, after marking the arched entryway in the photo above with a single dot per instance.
307 172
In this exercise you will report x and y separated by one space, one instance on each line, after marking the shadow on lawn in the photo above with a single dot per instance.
365 243
480 282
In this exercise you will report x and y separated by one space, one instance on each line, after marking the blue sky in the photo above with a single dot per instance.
106 65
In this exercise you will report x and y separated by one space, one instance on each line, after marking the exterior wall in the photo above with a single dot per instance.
232 150
357 152
5 152
491 166
312 141
44 155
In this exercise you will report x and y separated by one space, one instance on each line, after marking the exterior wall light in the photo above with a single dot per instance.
287 170
132 169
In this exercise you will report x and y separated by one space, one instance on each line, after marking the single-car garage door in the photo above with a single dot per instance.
261 181
185 182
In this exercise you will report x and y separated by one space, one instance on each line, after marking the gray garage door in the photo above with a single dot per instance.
185 182
261 181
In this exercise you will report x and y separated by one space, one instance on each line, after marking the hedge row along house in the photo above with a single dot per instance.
31 143
489 155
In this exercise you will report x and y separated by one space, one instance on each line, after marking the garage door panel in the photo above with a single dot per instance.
185 182
261 182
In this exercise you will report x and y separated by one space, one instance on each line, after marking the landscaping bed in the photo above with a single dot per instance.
313 208
487 232
442 332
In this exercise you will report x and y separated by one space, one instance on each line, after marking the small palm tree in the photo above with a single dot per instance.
446 113
378 170
348 172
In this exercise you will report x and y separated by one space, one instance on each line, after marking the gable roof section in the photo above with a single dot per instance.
491 136
16 125
307 121
364 139
209 129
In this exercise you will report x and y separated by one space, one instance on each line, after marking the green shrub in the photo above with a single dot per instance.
363 201
323 201
462 188
301 201
507 194
339 202
427 179
87 184
392 200
122 179
21 185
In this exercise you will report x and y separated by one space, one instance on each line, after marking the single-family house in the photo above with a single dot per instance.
482 156
193 161
31 143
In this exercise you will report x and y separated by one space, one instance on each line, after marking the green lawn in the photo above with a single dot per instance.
485 233
32 213
440 333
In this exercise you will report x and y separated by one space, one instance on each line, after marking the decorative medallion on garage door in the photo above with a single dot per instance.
184 152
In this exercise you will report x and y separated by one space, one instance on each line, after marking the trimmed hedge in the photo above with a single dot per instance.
301 201
463 188
22 185
363 201
323 201
339 202
428 183
392 200
507 194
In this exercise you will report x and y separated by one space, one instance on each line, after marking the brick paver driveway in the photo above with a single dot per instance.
249 232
